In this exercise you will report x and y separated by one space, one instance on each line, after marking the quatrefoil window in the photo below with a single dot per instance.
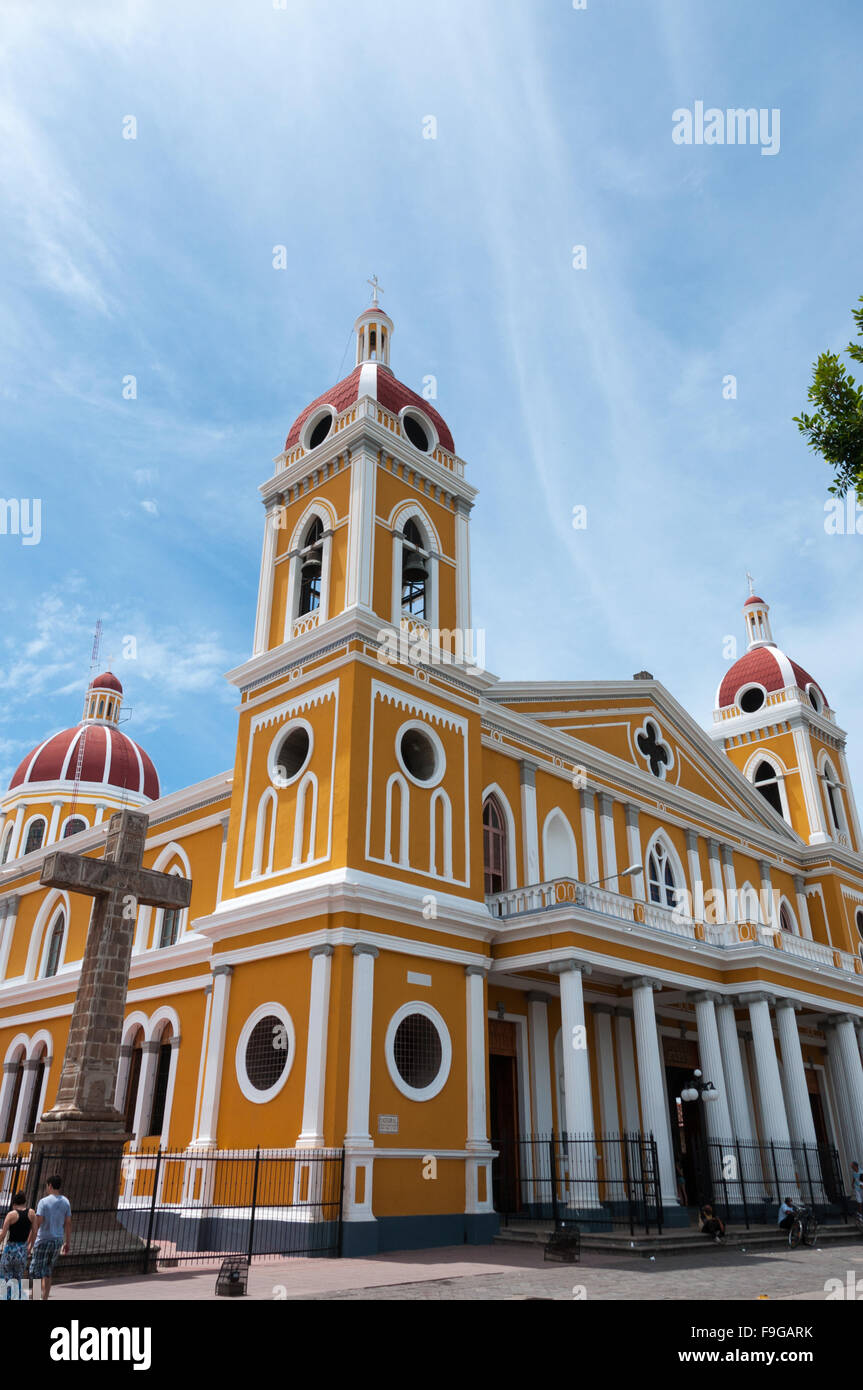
654 749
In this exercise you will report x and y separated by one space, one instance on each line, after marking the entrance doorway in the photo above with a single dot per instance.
503 1108
688 1136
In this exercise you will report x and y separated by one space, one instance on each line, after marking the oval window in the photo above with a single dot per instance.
417 1051
266 1053
751 700
419 754
416 433
319 430
293 753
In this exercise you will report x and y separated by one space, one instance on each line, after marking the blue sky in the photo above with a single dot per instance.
601 387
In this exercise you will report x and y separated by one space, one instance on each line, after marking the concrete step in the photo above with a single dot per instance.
675 1241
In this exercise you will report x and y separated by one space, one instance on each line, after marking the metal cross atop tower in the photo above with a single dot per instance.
376 288
751 583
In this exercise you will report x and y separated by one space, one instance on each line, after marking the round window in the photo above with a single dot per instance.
416 433
417 1051
814 698
420 754
293 754
319 430
751 700
266 1053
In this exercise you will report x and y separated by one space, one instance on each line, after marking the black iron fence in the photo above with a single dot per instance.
747 1181
133 1212
595 1180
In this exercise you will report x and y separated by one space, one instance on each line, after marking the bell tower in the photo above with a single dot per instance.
367 514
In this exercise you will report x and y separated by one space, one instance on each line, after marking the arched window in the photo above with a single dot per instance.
36 1095
160 1087
170 926
559 856
766 780
74 826
661 881
133 1078
55 946
311 567
786 922
415 571
35 835
7 844
833 791
494 846
14 1098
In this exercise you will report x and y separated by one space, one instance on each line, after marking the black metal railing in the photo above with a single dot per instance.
595 1180
132 1212
747 1181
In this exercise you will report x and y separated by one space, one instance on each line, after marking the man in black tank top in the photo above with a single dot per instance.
17 1232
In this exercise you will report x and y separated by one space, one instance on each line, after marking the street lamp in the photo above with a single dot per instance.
632 872
696 1087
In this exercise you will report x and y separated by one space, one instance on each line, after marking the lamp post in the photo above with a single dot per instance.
696 1087
632 872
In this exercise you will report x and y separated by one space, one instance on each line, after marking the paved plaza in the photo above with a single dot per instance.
500 1272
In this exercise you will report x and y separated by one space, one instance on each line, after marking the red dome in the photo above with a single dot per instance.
766 666
754 599
375 380
110 758
107 681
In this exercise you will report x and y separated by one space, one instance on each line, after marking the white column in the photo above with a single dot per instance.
146 1086
853 1073
361 531
462 566
732 1070
477 1122
696 887
529 828
767 1066
7 931
540 1064
312 1133
268 568
359 1083
650 1075
771 917
359 1159
797 1104
802 906
25 1100
628 1077
15 843
208 1123
53 823
225 823
732 905
717 1115
839 1089
633 845
717 887
604 1048
578 1144
588 835
606 836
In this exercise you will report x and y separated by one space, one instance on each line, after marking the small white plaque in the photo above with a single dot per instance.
388 1124
414 978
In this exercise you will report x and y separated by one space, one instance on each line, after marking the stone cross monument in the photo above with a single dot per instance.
84 1133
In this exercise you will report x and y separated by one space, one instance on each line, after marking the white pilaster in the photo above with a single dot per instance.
477 1137
462 565
7 931
633 845
650 1075
359 1083
312 1133
540 1064
588 835
361 529
209 1119
606 837
265 586
717 886
802 906
529 828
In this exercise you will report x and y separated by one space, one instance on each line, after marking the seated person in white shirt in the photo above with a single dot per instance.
786 1214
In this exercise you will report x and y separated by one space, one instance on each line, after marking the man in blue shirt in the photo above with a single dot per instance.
53 1228
786 1214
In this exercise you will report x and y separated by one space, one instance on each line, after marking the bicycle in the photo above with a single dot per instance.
804 1227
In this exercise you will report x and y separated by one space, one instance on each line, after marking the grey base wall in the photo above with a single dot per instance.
390 1233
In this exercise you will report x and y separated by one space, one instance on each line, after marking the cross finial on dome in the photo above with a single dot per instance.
751 583
376 288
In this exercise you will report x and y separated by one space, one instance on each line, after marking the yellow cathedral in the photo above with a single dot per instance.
476 914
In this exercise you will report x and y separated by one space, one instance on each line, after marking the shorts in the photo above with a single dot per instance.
13 1261
45 1254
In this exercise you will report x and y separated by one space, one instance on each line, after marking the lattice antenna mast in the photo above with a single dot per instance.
79 761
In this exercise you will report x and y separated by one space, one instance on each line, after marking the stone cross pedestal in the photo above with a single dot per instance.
83 1134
